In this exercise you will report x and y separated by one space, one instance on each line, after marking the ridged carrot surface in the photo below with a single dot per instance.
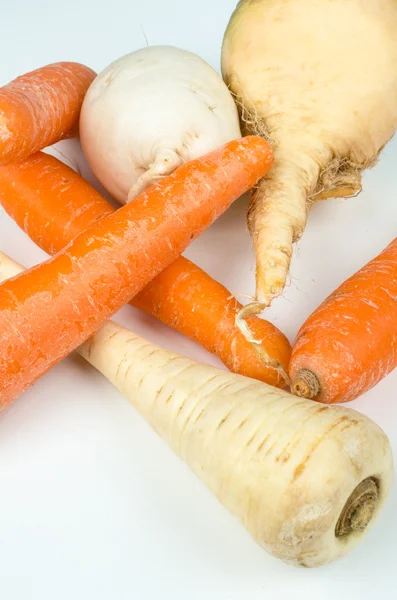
40 108
53 205
49 310
350 342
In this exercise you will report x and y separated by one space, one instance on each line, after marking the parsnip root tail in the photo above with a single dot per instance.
255 308
276 219
359 509
165 163
306 385
280 205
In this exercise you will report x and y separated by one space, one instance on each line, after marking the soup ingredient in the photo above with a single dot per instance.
318 80
350 342
150 111
53 205
40 108
306 494
51 309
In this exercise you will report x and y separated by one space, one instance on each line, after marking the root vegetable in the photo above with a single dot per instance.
350 342
48 311
319 80
53 205
307 494
40 108
150 111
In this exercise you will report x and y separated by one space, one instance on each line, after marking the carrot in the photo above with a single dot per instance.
40 108
51 309
53 205
307 494
350 342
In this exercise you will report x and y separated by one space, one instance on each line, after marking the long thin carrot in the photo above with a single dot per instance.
48 311
40 108
53 205
350 342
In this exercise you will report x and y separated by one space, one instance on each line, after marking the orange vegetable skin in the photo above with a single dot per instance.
350 342
53 205
48 311
40 108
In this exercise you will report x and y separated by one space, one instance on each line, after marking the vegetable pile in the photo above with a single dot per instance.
161 131
240 437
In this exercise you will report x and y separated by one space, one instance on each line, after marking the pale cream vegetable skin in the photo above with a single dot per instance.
150 111
305 479
317 78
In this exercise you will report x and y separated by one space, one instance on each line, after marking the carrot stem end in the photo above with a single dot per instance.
306 385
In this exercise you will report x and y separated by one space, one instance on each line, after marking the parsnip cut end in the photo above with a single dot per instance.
359 509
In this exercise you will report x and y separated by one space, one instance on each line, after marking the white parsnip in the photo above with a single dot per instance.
318 78
306 480
150 111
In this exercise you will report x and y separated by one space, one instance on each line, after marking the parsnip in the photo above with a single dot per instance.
306 480
318 78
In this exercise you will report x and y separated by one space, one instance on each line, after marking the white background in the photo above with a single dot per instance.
92 504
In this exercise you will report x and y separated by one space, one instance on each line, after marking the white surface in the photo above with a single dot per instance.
92 504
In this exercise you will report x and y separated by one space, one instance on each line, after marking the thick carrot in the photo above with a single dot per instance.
350 342
48 311
53 205
40 108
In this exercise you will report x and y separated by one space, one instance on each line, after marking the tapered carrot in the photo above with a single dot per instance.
40 108
48 311
53 205
350 342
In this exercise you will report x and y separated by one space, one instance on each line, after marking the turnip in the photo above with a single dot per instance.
150 111
317 78
305 479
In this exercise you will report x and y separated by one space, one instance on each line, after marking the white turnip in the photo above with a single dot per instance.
150 111
317 78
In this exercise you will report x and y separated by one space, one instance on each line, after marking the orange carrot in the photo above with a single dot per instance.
53 205
350 342
184 297
48 311
40 108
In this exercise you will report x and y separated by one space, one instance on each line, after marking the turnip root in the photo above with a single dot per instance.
306 480
150 111
318 79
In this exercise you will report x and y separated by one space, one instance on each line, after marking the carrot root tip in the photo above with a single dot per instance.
255 308
306 385
359 509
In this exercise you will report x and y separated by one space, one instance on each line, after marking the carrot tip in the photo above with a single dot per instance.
359 509
255 308
306 385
